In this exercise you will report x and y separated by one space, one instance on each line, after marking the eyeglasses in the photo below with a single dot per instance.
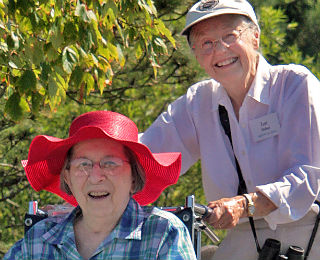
206 47
84 166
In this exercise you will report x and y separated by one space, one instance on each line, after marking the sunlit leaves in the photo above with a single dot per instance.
12 65
56 90
138 49
69 59
164 31
82 12
112 51
77 43
89 80
121 59
52 88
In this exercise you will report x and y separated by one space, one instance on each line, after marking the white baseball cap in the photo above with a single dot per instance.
206 9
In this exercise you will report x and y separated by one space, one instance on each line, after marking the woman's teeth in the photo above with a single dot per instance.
98 194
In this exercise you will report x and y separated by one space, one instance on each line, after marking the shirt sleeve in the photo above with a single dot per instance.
175 131
177 244
299 146
15 252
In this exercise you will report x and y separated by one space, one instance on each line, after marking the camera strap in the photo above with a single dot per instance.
242 188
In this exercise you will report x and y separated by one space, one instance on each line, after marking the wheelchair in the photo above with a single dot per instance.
191 214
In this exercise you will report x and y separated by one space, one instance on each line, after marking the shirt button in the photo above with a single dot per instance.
243 153
249 183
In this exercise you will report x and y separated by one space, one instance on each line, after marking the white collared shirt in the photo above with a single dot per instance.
283 163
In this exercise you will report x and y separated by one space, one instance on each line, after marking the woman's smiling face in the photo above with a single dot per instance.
226 63
100 193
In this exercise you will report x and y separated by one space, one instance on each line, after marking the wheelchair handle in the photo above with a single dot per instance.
202 210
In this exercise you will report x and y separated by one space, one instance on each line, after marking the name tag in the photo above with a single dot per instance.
264 127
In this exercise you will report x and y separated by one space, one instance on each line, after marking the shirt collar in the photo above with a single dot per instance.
60 229
131 222
259 89
129 226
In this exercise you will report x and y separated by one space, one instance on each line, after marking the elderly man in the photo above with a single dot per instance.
255 128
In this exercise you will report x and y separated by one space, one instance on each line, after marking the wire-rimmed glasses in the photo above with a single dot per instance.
208 46
109 165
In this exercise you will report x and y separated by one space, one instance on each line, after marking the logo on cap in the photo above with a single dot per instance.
206 5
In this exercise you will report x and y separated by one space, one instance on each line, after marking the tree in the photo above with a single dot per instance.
289 31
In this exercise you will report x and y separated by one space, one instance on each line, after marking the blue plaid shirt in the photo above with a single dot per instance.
142 233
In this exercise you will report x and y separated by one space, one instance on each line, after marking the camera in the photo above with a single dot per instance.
271 251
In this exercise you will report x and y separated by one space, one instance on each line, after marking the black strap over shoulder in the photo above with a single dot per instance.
242 188
224 119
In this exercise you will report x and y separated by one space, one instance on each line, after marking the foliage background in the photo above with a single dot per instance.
59 59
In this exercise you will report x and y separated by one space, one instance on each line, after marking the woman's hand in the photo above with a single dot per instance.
227 212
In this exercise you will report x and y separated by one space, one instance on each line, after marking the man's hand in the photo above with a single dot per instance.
227 212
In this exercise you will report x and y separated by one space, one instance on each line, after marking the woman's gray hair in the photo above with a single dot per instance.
137 172
66 166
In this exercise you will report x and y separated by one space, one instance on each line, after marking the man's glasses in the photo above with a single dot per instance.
208 46
84 166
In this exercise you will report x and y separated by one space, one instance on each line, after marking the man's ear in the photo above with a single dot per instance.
256 40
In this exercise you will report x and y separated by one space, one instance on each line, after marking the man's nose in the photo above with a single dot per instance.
219 46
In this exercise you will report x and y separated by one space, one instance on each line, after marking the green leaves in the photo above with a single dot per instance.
273 30
82 12
47 45
85 16
70 58
27 82
16 106
13 41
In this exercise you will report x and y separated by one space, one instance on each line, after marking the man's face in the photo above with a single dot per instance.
226 48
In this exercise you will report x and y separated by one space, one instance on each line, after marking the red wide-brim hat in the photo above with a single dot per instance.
47 155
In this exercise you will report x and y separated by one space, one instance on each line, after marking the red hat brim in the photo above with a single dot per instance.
47 156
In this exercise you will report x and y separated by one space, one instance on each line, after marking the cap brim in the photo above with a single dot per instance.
185 30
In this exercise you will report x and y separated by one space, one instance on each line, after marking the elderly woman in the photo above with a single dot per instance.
104 170
256 129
